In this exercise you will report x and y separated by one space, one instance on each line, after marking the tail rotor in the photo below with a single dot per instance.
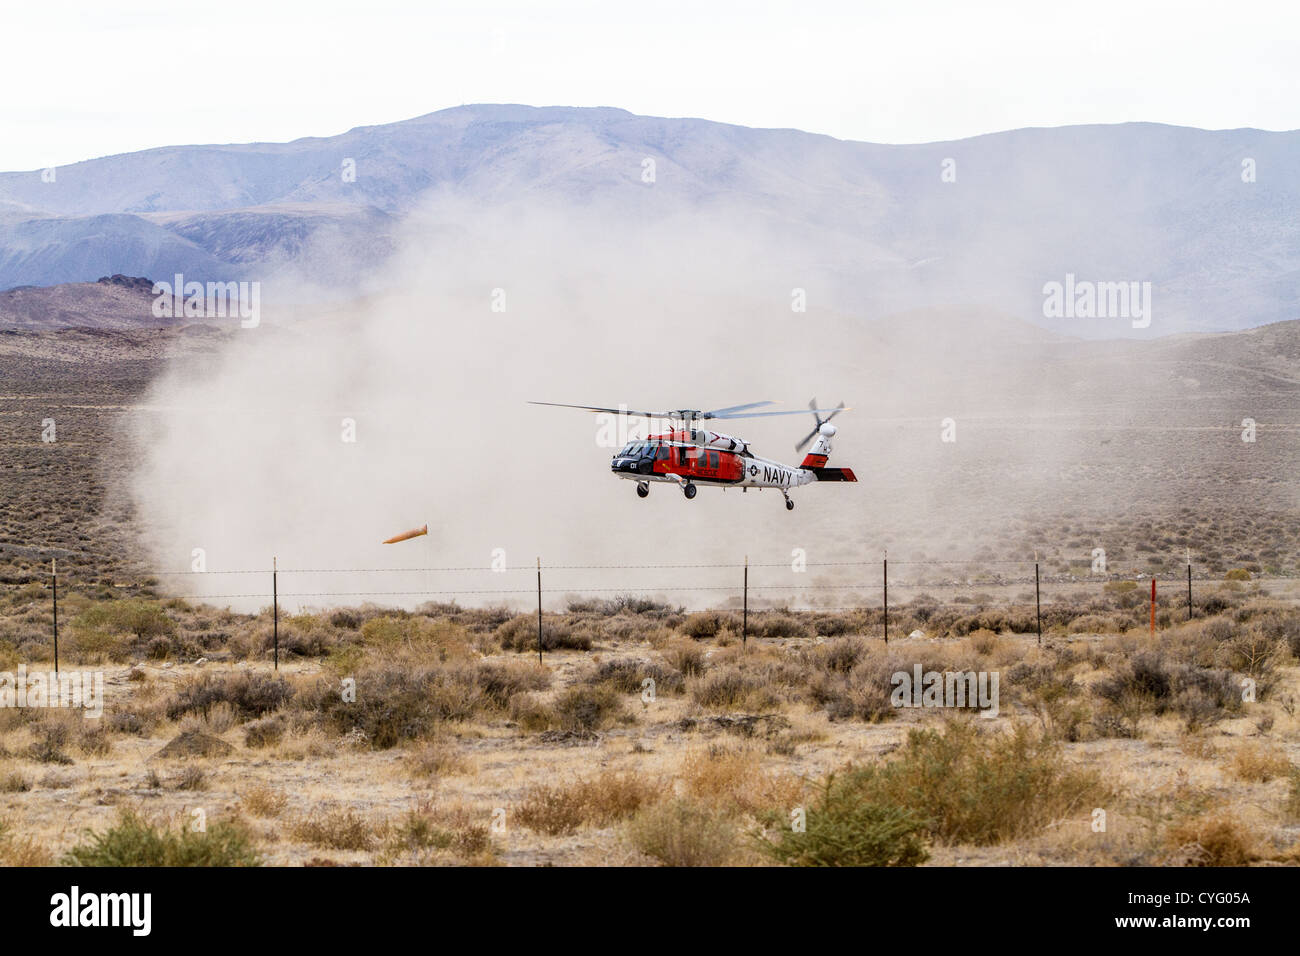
817 415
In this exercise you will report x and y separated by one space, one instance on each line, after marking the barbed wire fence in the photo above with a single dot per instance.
1160 582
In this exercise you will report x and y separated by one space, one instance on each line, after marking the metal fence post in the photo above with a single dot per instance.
54 584
744 618
1038 601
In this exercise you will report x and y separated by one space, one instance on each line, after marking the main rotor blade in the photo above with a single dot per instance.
797 411
719 412
611 411
835 411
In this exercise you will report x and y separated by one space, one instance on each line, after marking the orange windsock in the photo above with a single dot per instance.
407 535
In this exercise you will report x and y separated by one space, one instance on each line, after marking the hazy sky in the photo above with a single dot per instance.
89 79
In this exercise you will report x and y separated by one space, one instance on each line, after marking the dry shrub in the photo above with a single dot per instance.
94 740
686 657
972 785
1255 654
1211 839
723 777
136 841
396 702
838 656
533 714
777 624
336 829
1255 763
249 695
735 688
520 634
586 709
682 832
266 732
701 625
842 829
498 682
598 801
263 801
112 629
629 676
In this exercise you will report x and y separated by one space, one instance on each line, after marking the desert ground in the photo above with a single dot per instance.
649 732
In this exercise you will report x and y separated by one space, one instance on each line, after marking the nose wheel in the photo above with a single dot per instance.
789 505
689 490
642 489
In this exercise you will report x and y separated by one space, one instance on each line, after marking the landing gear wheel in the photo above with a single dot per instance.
789 505
642 489
689 491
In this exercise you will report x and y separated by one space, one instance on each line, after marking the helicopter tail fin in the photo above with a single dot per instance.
834 474
821 449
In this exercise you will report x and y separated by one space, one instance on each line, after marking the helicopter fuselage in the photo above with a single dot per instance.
705 457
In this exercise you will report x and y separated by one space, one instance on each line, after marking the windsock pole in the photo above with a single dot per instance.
407 535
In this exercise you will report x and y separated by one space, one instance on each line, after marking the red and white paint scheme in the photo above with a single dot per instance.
690 456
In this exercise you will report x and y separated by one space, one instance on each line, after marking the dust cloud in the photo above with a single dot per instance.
245 455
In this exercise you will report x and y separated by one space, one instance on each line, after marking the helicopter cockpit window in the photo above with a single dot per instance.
662 453
626 452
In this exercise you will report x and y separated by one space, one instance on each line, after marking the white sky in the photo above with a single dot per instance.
79 80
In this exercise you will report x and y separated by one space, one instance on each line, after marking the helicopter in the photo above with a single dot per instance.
691 456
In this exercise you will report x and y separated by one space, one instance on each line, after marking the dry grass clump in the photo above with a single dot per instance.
684 832
426 833
263 801
437 758
401 638
1211 839
340 828
598 801
22 851
1255 763
735 778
